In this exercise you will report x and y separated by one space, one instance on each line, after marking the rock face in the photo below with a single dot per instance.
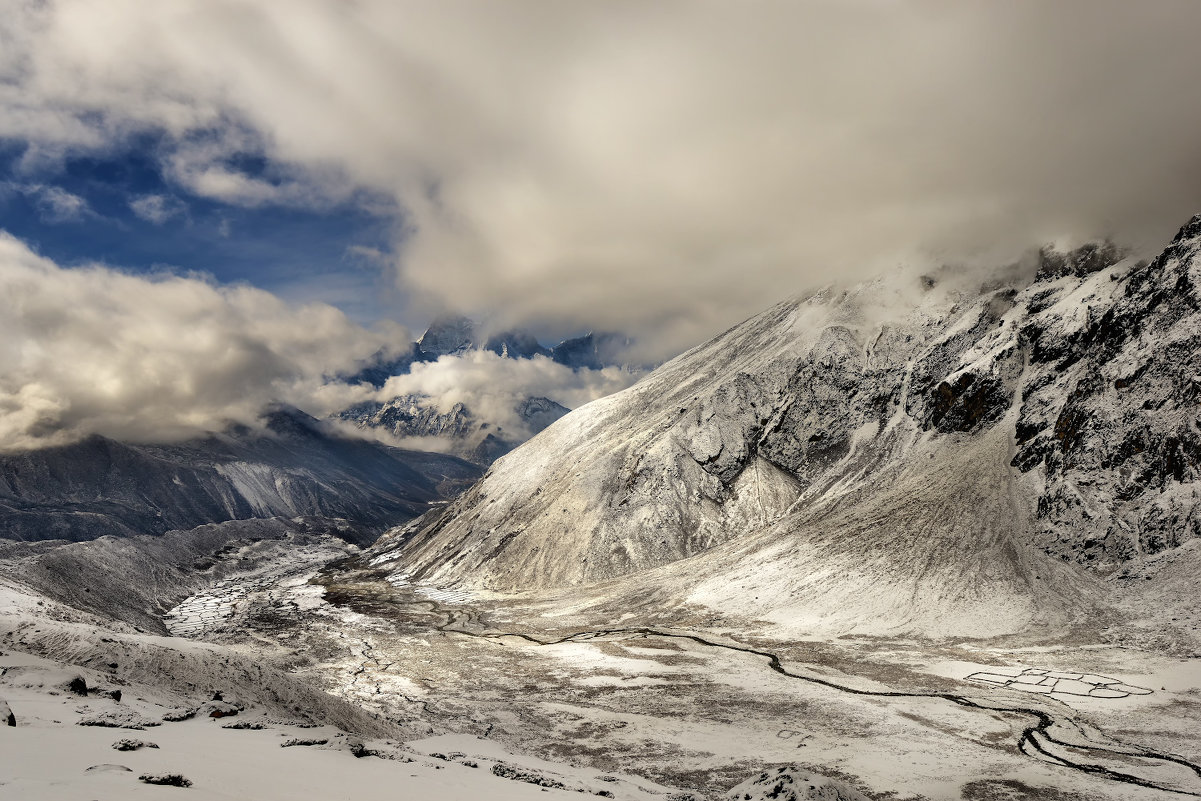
6 714
903 446
593 351
467 436
516 344
295 466
448 335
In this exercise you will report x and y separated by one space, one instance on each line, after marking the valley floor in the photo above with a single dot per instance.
701 707
669 706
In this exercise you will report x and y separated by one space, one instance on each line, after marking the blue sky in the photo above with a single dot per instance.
118 208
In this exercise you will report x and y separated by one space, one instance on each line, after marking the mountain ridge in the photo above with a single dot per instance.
787 423
292 467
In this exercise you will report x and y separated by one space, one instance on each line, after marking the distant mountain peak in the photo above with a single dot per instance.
448 335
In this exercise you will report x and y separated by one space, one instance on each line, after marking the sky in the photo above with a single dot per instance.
660 169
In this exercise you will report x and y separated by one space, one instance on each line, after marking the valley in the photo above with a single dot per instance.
700 707
915 539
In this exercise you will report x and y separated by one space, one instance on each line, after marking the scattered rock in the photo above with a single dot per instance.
244 724
165 779
303 741
178 715
126 744
218 709
521 775
118 720
791 783
358 750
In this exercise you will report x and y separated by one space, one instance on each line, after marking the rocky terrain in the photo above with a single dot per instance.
97 710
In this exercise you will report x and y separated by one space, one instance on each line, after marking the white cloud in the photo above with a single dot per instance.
491 386
94 350
56 205
157 209
657 168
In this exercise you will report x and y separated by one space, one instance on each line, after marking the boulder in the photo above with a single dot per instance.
6 714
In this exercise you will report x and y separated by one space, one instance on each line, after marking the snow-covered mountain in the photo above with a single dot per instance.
929 455
476 434
457 428
294 466
453 335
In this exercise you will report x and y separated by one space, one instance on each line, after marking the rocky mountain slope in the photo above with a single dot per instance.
293 466
928 454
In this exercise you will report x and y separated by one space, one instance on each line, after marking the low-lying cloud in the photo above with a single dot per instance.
92 350
96 351
492 386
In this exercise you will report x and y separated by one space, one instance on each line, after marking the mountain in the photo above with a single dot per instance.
933 456
516 344
467 436
293 466
451 336
591 351
448 335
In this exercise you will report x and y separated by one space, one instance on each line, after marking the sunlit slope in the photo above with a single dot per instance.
934 452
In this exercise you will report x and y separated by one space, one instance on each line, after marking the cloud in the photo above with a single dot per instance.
157 209
492 386
93 350
54 204
662 169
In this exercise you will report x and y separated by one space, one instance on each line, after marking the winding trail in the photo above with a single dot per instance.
1037 740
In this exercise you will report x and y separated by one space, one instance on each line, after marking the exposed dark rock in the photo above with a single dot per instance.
179 715
218 709
132 745
165 779
303 741
506 771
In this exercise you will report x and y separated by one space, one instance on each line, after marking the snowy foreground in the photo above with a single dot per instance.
342 683
266 739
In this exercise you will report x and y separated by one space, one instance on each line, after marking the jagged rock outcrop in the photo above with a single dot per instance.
932 442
